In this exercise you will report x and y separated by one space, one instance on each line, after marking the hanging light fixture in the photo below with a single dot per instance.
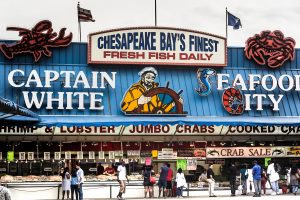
127 144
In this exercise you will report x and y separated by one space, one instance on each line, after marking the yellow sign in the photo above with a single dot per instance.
154 153
10 156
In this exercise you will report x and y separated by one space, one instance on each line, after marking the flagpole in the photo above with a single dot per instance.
79 24
226 23
155 15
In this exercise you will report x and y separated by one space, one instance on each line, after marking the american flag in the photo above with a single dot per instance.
84 15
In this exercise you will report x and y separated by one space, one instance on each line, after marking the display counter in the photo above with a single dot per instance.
92 189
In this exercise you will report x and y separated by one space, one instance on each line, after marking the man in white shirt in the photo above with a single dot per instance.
80 176
4 193
273 177
122 177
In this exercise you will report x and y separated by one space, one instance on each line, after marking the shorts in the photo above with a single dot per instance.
169 184
162 183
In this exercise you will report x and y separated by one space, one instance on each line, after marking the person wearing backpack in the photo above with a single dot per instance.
244 177
273 177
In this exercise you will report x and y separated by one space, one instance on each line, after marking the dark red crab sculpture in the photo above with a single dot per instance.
37 40
270 48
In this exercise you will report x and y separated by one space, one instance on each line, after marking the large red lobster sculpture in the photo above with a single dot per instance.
270 48
37 40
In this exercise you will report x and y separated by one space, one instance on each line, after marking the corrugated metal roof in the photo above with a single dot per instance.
74 58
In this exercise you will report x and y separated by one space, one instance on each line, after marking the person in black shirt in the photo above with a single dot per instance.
232 178
100 169
211 181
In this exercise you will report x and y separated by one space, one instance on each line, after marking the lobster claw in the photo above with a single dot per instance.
42 26
61 40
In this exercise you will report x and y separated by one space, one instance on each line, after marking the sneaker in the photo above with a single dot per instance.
273 193
213 196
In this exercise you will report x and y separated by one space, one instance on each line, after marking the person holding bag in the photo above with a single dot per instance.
148 182
181 182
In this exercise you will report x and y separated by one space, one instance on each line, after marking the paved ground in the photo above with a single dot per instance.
238 197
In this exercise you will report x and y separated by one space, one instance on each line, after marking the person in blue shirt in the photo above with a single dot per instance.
256 172
74 184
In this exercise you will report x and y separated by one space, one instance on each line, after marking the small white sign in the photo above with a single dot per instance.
46 155
91 154
21 155
57 155
67 155
101 155
79 155
30 155
111 155
142 160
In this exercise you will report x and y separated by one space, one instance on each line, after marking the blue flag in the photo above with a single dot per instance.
234 21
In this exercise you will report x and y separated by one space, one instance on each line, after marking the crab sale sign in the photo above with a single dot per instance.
242 152
157 46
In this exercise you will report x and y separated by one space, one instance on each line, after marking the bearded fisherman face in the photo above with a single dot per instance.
148 79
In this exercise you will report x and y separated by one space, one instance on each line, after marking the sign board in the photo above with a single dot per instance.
191 153
245 152
215 161
133 153
22 156
293 151
167 153
177 129
57 155
79 155
30 156
46 155
157 46
266 161
67 155
181 164
91 154
111 155
10 156
148 161
191 164
143 160
0 155
101 155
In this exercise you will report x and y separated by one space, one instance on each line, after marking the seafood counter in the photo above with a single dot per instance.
49 187
88 178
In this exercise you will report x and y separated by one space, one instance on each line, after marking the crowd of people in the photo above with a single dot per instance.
252 177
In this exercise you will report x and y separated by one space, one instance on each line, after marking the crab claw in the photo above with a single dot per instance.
277 59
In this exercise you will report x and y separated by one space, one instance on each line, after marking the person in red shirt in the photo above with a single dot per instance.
169 181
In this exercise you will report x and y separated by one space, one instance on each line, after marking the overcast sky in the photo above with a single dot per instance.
201 15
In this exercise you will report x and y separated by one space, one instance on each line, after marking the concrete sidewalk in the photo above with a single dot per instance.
228 197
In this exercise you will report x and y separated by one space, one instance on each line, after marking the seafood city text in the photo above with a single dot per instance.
258 82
